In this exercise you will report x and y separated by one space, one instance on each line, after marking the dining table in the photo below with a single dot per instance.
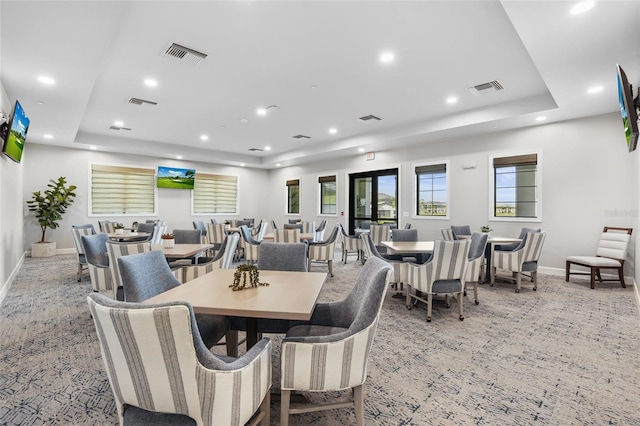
182 251
492 241
288 295
304 236
128 236
419 249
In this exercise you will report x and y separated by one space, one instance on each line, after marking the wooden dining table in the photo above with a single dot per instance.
289 296
182 251
419 249
303 236
128 236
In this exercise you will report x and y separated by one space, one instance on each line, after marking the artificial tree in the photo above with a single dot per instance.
50 205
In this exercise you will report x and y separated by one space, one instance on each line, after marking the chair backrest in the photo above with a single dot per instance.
108 227
614 245
136 340
283 257
368 246
449 262
145 275
199 224
298 226
187 236
95 249
273 225
249 221
407 226
78 231
101 225
379 233
404 234
146 227
213 220
287 236
158 230
308 227
222 260
293 221
318 234
447 234
216 233
324 250
533 246
246 236
478 245
117 250
262 230
460 230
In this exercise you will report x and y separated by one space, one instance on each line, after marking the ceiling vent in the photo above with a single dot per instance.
481 89
142 102
184 54
369 118
255 149
119 128
302 137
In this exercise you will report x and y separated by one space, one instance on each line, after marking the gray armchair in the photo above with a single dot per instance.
344 329
517 246
460 230
475 265
350 244
283 256
251 246
323 251
95 249
78 231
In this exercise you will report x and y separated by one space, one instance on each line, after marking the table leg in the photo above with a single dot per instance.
488 251
252 332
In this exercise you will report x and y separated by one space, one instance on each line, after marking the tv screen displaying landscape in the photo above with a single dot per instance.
18 128
170 177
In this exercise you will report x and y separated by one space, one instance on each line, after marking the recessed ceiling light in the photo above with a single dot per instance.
204 137
241 164
93 148
277 164
244 120
118 123
261 111
40 102
47 136
541 118
267 148
150 82
595 89
452 100
582 7
46 80
387 57
179 157
360 149
333 130
314 86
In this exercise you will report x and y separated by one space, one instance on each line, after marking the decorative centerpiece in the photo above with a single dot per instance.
119 228
167 240
485 229
246 276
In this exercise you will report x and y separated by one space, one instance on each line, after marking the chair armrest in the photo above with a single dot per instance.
212 362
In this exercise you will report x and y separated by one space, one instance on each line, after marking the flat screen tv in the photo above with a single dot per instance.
628 109
17 134
169 177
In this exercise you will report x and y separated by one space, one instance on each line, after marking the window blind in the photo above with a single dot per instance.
122 190
215 194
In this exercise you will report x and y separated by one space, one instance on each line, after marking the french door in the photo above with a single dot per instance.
373 198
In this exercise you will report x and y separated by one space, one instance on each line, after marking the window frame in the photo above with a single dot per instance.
416 188
538 188
90 197
288 183
193 195
319 198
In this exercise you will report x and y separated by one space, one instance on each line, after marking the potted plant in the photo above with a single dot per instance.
486 229
49 207
167 240
119 228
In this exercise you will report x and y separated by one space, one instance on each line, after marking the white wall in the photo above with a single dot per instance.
174 205
589 180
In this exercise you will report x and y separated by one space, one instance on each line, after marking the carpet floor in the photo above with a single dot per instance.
562 355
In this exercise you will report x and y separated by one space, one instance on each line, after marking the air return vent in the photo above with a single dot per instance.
369 118
184 54
481 89
302 137
255 149
119 128
142 102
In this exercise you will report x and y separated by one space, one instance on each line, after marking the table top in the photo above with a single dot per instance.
289 295
496 240
303 236
409 246
182 251
128 235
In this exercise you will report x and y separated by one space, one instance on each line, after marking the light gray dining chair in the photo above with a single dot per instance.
95 249
78 231
476 262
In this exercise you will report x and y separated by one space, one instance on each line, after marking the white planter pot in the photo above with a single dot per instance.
120 231
168 243
43 249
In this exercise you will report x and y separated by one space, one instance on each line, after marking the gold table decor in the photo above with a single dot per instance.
246 276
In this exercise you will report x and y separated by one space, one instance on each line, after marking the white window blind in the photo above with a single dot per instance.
122 190
215 194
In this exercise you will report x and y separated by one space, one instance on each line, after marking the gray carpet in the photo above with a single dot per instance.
564 355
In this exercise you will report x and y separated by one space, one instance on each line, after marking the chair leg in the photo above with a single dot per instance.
593 277
79 274
330 264
408 297
460 306
566 271
358 400
429 303
309 265
493 275
475 291
621 275
518 281
534 278
285 396
265 407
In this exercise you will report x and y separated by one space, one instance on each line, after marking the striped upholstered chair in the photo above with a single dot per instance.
343 333
323 251
216 234
350 244
222 260
447 234
524 259
95 249
251 246
119 249
160 372
287 235
78 231
380 233
475 267
443 274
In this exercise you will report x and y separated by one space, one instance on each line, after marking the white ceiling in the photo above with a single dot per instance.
318 61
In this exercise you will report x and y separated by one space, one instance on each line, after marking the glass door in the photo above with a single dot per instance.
373 198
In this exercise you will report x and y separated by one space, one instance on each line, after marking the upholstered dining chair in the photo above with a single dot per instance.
350 244
610 255
447 234
283 257
443 274
380 233
273 225
147 228
515 246
323 251
330 352
318 233
409 235
287 235
400 267
475 265
299 226
216 234
524 259
119 249
186 236
146 275
259 231
251 246
95 249
308 227
109 227
222 260
102 227
161 372
78 231
460 230
199 224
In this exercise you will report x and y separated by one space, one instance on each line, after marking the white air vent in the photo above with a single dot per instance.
481 89
119 128
302 137
255 149
184 54
142 102
369 118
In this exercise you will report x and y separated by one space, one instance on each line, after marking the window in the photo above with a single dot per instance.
327 194
515 182
432 190
122 190
214 194
293 196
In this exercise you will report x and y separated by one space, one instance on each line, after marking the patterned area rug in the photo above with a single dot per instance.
563 355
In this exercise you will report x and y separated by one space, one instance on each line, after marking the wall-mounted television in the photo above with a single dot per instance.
170 177
628 107
17 134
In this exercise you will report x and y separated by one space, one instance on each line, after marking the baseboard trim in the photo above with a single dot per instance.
7 284
59 251
561 273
